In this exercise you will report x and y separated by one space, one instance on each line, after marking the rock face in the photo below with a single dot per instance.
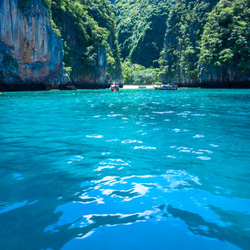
94 79
31 55
201 48
114 71
223 78
181 45
96 75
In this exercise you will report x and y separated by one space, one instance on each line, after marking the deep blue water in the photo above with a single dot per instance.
135 169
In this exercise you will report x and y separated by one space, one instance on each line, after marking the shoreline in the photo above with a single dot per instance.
137 87
96 87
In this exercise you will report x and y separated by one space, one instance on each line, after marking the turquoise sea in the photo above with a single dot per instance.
135 169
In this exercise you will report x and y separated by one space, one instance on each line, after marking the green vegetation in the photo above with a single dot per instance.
225 42
141 27
87 29
184 29
23 5
209 36
138 74
85 26
204 35
8 60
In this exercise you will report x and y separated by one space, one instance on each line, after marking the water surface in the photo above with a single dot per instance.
135 169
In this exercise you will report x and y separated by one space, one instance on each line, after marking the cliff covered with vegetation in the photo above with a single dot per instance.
53 43
87 28
194 43
207 42
225 44
141 27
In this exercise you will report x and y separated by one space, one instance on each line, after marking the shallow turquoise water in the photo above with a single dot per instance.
135 169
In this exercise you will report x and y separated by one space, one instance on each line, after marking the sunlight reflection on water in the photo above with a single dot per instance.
139 169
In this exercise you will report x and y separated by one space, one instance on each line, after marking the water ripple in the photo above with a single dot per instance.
144 147
94 136
107 167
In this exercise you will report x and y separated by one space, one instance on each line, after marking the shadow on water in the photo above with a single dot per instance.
23 221
239 236
34 232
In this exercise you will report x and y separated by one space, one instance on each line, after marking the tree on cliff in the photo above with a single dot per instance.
141 27
86 26
225 43
207 40
181 49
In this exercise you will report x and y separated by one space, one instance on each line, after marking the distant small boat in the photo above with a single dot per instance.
115 87
71 87
166 87
141 87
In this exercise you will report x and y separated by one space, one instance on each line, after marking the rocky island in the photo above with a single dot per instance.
68 44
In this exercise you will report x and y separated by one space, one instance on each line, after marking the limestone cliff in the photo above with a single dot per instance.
206 46
80 77
93 70
31 54
181 45
90 46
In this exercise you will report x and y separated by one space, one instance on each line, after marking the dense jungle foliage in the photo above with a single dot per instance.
23 4
225 42
141 26
191 37
204 35
138 74
184 30
93 25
